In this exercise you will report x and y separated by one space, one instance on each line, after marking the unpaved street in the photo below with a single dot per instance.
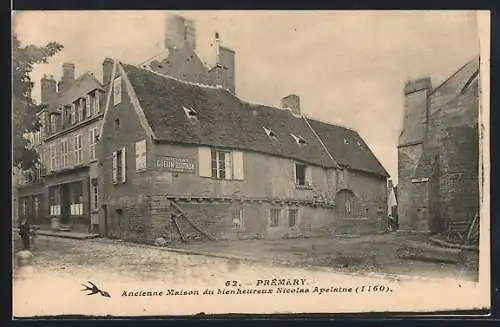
62 265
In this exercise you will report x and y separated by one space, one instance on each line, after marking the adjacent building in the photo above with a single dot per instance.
235 170
64 189
438 153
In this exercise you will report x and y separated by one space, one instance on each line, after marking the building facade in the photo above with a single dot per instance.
64 188
179 158
438 153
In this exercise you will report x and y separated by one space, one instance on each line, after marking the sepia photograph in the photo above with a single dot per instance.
172 163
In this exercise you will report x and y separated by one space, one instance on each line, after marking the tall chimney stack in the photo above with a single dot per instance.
179 32
107 69
48 89
68 76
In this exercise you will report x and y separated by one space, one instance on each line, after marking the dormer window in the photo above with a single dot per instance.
345 141
359 144
269 132
190 112
299 139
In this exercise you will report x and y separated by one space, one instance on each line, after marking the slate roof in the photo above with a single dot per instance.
80 87
223 120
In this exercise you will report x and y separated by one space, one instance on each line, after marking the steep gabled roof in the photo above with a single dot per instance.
223 120
348 148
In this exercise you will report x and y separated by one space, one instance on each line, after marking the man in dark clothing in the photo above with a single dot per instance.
24 232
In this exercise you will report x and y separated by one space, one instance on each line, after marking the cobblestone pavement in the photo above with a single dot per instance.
61 265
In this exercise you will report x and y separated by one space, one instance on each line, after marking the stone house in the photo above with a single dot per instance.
438 153
171 149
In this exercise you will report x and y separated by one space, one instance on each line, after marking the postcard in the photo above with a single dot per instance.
256 162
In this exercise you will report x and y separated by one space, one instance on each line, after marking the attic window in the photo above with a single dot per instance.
269 132
190 112
298 139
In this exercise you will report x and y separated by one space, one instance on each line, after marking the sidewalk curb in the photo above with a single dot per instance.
62 235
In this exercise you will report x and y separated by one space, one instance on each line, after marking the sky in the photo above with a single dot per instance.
349 68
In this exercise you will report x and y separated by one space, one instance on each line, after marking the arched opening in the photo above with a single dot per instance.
347 204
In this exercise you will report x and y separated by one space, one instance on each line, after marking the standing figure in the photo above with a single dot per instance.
24 232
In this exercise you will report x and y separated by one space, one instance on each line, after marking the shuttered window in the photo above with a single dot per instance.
220 164
140 155
117 90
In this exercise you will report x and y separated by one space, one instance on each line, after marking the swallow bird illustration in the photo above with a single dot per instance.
94 290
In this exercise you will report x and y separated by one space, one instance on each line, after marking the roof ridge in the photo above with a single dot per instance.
207 86
243 100
319 120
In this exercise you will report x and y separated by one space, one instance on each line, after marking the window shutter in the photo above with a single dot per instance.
140 155
115 164
117 90
238 165
124 165
73 113
80 112
96 104
308 175
204 162
87 106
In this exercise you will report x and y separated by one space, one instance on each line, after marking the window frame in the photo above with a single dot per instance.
64 152
78 149
295 217
272 222
221 166
53 156
93 140
297 179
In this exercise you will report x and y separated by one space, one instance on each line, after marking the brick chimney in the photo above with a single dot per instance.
68 76
48 89
179 32
107 70
291 102
416 94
